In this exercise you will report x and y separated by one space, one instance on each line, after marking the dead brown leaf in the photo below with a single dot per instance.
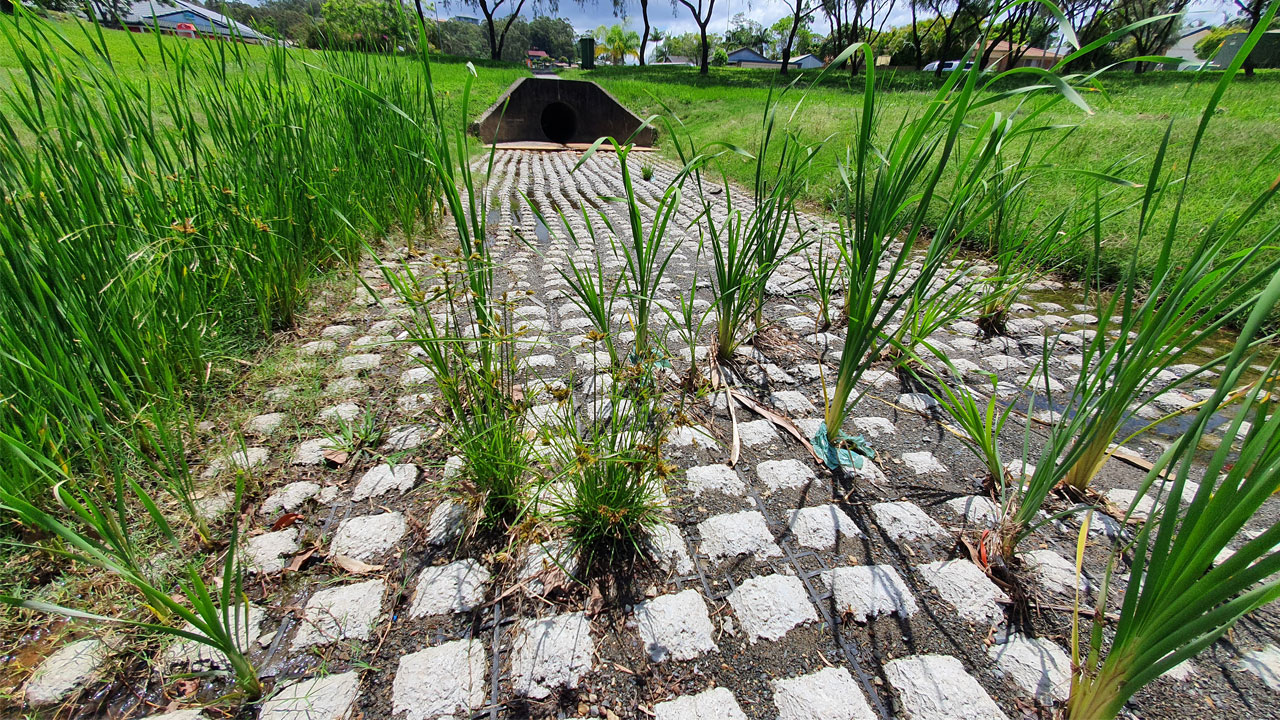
286 520
296 564
353 566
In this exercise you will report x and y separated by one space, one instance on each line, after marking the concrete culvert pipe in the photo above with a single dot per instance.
558 113
559 122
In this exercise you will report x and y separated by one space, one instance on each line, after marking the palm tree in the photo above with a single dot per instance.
619 42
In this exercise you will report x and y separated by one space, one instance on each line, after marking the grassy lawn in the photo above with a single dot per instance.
1131 114
143 58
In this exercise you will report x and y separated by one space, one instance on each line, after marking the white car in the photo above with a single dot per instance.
947 66
1197 66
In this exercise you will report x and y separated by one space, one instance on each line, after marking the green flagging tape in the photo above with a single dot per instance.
835 457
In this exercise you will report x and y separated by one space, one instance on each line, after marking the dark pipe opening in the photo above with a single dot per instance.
559 122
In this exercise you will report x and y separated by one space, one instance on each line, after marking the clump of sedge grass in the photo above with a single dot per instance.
611 482
464 332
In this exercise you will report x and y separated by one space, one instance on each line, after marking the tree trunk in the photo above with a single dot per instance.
791 38
1255 14
495 53
856 33
855 60
915 38
991 46
946 47
704 67
644 39
502 39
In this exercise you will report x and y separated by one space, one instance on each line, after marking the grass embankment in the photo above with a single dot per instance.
1131 114
142 57
166 202
165 206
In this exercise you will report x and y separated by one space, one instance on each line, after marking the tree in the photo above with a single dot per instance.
291 19
720 58
961 22
855 21
1023 26
616 42
657 35
1251 12
1208 46
702 18
453 37
515 48
683 45
1152 38
801 14
489 9
1091 20
644 39
363 24
746 33
555 36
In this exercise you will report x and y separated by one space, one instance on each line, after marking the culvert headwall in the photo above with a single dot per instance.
550 110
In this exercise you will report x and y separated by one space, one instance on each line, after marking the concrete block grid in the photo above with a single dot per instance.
777 602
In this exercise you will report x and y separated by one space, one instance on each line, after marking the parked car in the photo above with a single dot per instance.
947 66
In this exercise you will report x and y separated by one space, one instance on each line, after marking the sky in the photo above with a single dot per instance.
586 18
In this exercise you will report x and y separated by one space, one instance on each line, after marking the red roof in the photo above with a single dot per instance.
537 53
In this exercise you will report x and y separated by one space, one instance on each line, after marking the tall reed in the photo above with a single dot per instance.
461 326
100 533
889 191
1144 330
173 220
1180 598
646 247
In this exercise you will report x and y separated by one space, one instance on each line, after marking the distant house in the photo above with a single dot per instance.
466 19
748 58
676 60
535 57
1003 56
188 20
807 62
1266 54
1185 47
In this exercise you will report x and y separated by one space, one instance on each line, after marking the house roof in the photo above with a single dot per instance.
1003 48
746 53
148 13
678 60
538 53
798 58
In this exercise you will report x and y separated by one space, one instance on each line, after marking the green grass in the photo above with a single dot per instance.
138 58
167 203
1130 116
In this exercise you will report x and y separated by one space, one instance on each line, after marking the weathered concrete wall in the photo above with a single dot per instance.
562 111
